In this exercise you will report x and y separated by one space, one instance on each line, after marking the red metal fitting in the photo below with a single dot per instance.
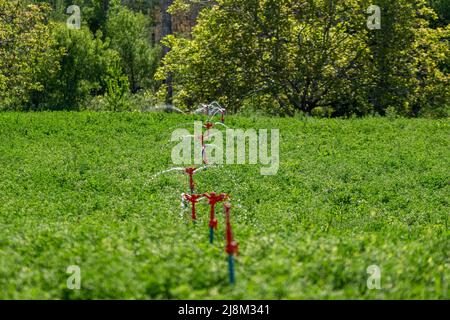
213 199
213 224
191 172
193 199
232 246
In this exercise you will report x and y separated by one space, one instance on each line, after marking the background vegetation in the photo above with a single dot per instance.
316 57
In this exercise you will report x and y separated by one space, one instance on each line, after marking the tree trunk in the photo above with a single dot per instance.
166 29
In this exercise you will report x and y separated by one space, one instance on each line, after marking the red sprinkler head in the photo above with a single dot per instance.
209 125
193 199
213 199
190 172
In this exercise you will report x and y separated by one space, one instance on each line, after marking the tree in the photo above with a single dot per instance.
406 54
309 55
304 54
166 30
129 36
83 70
442 8
26 51
94 13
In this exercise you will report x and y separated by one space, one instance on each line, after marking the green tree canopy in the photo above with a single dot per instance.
130 37
310 54
26 51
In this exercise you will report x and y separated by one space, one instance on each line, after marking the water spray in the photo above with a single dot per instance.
207 126
212 110
213 198
188 171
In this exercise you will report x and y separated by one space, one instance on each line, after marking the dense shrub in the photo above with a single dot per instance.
46 65
84 68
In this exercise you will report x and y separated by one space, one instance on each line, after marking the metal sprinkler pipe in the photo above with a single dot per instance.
193 199
204 150
208 126
213 199
190 172
232 246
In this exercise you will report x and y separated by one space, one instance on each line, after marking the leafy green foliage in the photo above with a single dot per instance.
25 51
442 8
76 189
94 13
311 54
130 37
407 55
284 57
84 67
45 65
117 88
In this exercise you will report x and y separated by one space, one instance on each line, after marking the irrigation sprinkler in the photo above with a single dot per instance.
213 199
188 171
219 110
191 172
193 199
166 108
232 246
208 125
212 110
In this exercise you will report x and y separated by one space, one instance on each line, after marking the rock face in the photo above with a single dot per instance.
182 23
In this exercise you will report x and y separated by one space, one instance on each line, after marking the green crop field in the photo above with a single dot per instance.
77 189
